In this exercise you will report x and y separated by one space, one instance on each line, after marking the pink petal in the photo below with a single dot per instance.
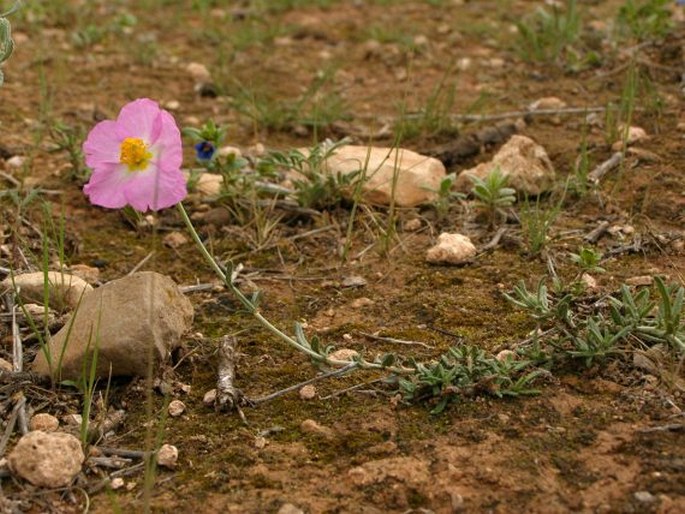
139 119
107 186
155 189
102 146
168 147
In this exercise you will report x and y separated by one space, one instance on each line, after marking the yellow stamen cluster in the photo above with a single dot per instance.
134 154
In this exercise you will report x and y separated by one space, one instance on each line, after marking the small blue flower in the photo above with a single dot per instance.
204 150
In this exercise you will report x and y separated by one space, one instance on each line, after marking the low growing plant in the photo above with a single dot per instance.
492 194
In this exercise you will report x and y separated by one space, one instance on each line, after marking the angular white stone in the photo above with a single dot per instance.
451 249
525 163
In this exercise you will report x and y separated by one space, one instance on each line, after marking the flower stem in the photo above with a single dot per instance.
252 309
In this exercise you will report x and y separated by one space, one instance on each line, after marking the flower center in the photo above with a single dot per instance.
134 154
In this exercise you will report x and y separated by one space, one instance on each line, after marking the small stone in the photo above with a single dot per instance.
209 184
643 280
681 126
630 136
354 281
209 398
198 72
173 105
644 497
308 392
225 151
74 420
167 456
256 150
358 303
15 162
260 442
131 486
116 483
176 408
289 508
309 426
44 422
451 249
343 354
464 63
589 282
47 459
547 103
175 239
505 355
412 225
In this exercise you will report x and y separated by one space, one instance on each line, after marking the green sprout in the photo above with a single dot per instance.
492 193
6 42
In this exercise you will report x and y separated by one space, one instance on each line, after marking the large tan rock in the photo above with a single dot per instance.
522 160
64 290
413 177
128 320
47 459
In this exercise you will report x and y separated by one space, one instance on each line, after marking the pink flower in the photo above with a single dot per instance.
136 160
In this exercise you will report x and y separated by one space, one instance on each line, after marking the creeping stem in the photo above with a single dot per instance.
252 309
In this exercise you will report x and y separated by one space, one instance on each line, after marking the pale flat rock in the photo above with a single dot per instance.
47 459
525 163
548 103
125 318
451 249
65 290
414 177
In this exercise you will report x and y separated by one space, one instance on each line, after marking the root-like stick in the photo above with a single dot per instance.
336 373
612 162
11 422
471 144
228 397
18 362
394 340
494 242
596 234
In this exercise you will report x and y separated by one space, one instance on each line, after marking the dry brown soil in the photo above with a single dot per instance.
586 444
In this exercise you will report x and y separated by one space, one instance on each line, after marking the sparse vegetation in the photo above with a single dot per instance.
363 360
